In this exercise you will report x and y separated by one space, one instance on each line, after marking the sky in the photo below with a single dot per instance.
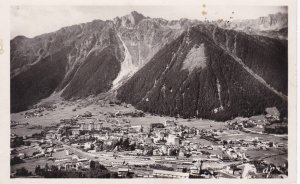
31 21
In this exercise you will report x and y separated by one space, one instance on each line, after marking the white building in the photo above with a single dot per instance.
170 123
87 145
169 174
137 128
91 126
173 140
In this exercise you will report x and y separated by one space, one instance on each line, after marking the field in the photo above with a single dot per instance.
25 131
237 135
64 110
31 164
275 156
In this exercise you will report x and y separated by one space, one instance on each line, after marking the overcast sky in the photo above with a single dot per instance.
31 21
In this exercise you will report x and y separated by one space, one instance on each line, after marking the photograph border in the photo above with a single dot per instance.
5 92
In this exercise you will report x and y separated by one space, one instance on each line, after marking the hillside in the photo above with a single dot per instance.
216 85
272 25
181 67
88 55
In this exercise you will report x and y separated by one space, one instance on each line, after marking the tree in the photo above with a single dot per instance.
113 175
173 152
125 144
39 171
46 167
15 160
270 144
129 175
22 172
92 146
18 141
54 168
92 164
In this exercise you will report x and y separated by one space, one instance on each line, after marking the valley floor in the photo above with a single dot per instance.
220 149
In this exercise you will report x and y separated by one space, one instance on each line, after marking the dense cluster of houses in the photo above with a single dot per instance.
167 144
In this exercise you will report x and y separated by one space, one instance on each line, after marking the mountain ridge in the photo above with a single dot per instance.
196 93
94 53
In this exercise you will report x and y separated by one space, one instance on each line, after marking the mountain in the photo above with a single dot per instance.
210 72
62 60
273 25
181 67
85 59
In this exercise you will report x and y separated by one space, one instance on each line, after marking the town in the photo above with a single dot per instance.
112 147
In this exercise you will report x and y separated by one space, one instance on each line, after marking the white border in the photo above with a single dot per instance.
5 89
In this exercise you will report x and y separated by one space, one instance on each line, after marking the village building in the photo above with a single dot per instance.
169 174
91 126
123 172
170 123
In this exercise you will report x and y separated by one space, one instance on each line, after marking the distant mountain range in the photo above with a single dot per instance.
184 67
273 25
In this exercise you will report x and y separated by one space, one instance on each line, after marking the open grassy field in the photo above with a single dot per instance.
236 135
31 164
275 156
65 110
21 131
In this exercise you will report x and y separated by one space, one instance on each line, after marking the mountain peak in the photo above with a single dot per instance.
131 19
135 17
136 14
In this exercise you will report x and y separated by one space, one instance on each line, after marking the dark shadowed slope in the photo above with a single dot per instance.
27 89
194 76
95 75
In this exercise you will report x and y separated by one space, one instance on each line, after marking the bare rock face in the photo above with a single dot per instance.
185 67
130 20
273 25
144 36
